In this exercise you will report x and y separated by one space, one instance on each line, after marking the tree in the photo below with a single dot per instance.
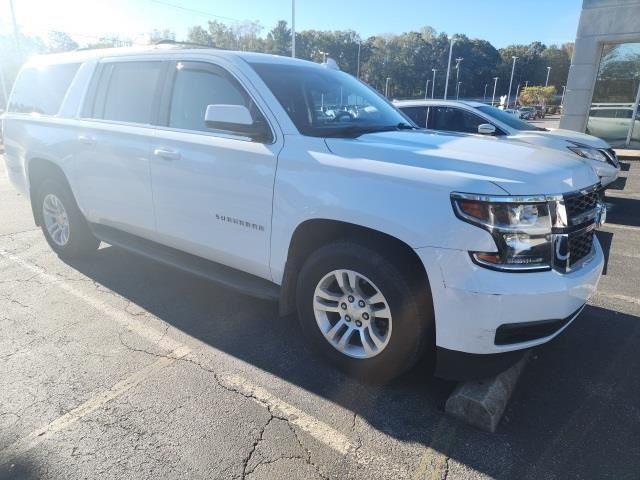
60 42
279 39
199 35
159 35
537 95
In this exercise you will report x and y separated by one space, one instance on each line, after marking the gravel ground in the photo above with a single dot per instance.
117 367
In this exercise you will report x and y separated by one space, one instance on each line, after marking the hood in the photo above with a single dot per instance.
557 138
517 168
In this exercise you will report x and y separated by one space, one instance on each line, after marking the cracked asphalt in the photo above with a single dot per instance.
116 367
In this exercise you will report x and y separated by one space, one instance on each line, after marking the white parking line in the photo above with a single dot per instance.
621 227
617 296
316 428
38 436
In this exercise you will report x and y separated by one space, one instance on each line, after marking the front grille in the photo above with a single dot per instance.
580 245
577 204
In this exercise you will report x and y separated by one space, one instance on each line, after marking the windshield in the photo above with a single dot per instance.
507 118
324 103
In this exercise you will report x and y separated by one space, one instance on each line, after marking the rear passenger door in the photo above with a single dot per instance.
213 189
112 173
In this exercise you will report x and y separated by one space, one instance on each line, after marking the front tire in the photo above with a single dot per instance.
63 225
366 314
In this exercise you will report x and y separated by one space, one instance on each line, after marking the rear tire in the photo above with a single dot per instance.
391 305
63 225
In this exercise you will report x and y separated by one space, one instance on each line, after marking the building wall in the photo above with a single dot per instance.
601 22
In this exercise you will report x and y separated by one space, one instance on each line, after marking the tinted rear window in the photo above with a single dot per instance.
42 89
128 92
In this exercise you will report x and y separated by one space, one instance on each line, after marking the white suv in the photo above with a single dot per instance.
294 181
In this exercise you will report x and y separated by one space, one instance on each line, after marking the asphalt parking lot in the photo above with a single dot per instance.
116 367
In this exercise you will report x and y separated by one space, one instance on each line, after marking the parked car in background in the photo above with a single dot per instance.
539 111
388 241
526 113
480 119
511 111
613 121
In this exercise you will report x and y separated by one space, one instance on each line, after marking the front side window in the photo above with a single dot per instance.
42 89
198 85
322 102
508 119
417 114
454 120
129 93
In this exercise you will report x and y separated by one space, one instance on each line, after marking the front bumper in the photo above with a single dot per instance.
471 303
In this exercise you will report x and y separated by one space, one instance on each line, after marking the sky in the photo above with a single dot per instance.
502 22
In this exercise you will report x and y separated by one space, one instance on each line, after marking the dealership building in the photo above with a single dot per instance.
603 88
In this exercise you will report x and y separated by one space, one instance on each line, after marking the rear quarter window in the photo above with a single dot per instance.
42 89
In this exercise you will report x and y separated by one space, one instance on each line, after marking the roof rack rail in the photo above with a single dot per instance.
168 41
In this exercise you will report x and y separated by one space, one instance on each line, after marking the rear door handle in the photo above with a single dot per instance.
167 154
86 139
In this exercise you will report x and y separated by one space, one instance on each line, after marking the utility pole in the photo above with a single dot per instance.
446 82
484 97
564 89
4 89
548 72
513 69
458 90
358 74
15 30
386 87
515 102
433 86
293 28
458 62
426 89
495 84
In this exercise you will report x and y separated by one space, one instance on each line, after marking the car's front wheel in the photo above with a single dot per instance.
62 223
369 316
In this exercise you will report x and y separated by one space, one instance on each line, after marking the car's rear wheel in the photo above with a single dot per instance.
62 223
365 313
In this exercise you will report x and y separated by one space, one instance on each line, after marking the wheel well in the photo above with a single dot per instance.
39 170
313 234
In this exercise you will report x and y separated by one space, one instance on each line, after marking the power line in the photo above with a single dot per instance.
192 10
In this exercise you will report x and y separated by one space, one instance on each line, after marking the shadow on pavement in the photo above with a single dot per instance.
625 211
569 402
605 239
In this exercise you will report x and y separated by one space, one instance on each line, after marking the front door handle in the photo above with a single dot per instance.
86 139
167 154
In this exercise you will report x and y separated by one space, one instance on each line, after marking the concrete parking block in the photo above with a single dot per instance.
481 403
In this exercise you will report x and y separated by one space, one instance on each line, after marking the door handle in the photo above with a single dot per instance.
86 139
166 154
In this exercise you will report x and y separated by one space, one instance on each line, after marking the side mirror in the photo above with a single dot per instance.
235 118
486 129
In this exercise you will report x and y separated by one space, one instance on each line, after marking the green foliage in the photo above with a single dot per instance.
407 59
537 95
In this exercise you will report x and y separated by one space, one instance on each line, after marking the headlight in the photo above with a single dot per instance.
589 152
521 230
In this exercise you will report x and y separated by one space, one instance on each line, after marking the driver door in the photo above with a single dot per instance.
212 190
